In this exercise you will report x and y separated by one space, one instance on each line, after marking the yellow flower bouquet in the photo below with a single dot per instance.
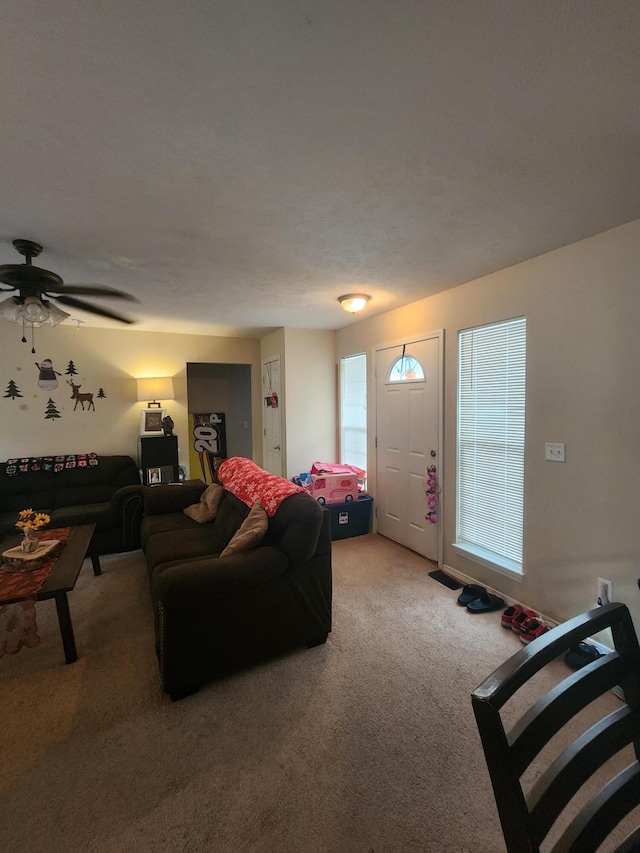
30 520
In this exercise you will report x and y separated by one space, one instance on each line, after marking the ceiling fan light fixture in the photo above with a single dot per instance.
353 302
10 310
35 287
56 315
33 311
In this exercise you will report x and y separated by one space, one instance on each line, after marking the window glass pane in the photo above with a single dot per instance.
405 368
491 429
353 410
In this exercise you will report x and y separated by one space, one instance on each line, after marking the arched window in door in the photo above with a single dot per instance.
406 368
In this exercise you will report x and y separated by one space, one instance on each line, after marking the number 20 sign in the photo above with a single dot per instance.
209 434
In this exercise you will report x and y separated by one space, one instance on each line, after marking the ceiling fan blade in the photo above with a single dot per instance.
91 290
24 276
8 268
93 309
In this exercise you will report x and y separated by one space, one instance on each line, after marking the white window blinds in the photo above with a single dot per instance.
353 410
491 426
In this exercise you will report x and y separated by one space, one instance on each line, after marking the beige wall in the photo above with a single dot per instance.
110 359
582 305
272 345
308 395
311 413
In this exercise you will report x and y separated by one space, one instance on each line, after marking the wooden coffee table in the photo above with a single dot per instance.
61 581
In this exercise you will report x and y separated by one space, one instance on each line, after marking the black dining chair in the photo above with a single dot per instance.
533 786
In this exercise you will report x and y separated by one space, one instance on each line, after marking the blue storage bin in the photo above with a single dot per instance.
351 519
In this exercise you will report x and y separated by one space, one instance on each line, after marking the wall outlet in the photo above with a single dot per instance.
605 592
554 452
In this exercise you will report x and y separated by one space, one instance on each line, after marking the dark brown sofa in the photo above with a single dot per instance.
217 614
108 494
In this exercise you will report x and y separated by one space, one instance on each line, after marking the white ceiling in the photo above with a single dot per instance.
239 164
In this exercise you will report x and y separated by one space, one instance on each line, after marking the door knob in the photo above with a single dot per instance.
276 447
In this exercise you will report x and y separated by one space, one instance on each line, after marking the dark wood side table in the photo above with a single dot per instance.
61 581
159 452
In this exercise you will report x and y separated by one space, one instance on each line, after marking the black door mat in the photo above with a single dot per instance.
450 583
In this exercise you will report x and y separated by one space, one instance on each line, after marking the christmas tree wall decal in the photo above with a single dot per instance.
51 411
12 390
71 369
101 393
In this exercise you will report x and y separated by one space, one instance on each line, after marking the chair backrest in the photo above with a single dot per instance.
534 801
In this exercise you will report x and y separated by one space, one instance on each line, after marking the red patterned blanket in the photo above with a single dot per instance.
18 625
250 483
15 584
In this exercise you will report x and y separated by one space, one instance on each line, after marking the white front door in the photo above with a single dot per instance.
408 411
271 417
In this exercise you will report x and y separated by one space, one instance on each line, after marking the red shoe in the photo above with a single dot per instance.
508 615
519 620
531 629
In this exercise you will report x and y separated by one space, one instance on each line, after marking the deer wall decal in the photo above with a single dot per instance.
81 398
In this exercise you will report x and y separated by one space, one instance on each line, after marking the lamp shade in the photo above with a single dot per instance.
157 388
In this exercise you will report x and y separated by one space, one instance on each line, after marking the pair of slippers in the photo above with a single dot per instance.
478 600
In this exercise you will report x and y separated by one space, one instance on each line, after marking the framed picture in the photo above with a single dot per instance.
154 475
151 421
167 474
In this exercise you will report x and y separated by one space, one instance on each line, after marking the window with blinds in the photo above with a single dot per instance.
353 410
491 429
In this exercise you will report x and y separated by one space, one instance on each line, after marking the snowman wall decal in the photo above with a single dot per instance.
47 378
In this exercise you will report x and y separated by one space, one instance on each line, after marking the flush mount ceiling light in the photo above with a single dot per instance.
353 302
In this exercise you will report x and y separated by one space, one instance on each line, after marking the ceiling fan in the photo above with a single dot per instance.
36 287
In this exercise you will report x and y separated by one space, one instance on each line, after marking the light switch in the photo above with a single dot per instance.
554 452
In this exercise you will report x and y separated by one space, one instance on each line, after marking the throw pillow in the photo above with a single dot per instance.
205 511
212 496
250 533
199 512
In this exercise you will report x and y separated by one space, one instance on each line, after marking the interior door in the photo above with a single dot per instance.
271 417
408 410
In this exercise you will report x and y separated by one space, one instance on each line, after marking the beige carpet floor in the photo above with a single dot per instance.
363 745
